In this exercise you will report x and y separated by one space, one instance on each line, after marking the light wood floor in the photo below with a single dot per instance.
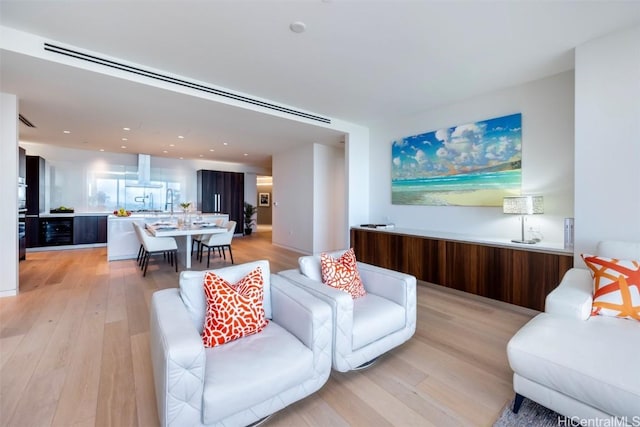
74 351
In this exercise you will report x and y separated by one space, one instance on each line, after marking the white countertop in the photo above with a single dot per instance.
72 214
543 246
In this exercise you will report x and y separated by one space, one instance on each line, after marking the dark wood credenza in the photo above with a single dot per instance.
517 275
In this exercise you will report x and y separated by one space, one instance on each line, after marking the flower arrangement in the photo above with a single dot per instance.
185 206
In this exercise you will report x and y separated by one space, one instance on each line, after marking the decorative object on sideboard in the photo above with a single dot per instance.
523 205
568 233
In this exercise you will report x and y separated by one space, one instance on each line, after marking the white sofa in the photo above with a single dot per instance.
242 381
581 366
369 326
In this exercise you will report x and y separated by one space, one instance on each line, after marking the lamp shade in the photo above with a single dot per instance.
523 205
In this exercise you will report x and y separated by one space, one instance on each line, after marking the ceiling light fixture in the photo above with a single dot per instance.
180 137
211 149
102 149
172 145
297 27
66 131
201 155
123 146
125 139
245 154
126 128
165 151
225 143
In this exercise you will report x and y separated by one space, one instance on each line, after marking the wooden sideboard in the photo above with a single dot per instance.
522 276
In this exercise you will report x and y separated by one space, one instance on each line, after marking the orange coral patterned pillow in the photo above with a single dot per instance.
616 286
233 311
342 273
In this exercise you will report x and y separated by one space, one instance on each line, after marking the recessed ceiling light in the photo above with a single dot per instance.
297 27
180 137
245 154
102 149
211 149
165 151
201 155
226 143
123 146
125 139
66 131
172 145
126 128
181 158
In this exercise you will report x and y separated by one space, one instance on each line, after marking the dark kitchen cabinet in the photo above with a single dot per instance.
222 192
89 229
32 231
35 184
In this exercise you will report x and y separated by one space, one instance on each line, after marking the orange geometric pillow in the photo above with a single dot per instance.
616 286
233 311
342 273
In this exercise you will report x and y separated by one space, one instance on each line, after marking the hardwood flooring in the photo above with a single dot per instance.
74 351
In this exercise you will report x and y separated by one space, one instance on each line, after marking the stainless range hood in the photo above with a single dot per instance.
144 173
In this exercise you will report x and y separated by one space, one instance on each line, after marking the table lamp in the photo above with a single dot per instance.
523 205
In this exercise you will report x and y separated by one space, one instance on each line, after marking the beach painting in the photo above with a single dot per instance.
475 164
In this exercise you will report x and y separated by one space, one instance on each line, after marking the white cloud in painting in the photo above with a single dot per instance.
421 157
442 134
396 161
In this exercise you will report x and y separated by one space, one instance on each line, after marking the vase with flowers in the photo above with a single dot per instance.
186 209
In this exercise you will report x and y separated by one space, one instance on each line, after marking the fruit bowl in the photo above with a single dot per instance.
121 213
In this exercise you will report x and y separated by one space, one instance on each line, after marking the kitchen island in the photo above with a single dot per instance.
122 242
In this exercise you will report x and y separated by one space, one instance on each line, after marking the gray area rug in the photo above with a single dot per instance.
530 414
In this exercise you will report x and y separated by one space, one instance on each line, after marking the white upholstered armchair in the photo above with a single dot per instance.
369 326
242 381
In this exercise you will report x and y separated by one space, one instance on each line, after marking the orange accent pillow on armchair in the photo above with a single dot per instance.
342 273
233 311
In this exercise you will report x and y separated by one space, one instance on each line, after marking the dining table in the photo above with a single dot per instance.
172 229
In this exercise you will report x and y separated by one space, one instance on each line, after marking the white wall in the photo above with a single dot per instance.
292 211
329 199
547 160
9 180
607 126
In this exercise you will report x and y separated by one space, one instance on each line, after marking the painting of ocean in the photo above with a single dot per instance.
475 164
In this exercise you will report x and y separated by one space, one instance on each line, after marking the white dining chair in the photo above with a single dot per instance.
196 239
219 241
152 245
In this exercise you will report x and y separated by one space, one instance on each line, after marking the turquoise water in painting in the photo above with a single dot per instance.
416 191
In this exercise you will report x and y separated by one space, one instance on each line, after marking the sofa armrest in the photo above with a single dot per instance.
573 297
392 285
178 358
306 317
340 302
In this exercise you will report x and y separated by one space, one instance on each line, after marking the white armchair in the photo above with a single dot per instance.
242 381
576 364
369 326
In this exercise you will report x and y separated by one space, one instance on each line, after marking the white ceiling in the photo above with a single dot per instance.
358 61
